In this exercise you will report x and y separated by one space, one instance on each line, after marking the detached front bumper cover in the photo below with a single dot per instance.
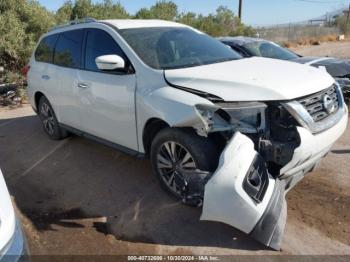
270 228
226 200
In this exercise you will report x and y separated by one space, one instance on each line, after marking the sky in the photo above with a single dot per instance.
255 12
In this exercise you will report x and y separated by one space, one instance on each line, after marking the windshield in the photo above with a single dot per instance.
271 50
176 47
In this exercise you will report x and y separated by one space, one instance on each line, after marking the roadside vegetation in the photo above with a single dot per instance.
343 23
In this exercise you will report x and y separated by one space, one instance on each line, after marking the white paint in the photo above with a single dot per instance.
224 198
7 216
110 62
313 147
253 79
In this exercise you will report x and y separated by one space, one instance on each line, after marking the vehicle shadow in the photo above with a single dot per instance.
62 182
341 151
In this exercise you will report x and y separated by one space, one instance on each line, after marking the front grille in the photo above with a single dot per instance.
315 104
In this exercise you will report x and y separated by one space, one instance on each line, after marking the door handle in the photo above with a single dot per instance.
45 77
82 85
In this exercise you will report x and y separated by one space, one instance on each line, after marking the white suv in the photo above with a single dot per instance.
228 133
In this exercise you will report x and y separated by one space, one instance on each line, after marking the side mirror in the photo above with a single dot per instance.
110 62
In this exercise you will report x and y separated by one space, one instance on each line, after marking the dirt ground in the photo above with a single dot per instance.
332 49
79 197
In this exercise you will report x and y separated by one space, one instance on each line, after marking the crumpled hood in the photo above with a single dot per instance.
252 79
335 67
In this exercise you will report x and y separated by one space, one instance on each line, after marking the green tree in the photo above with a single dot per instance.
343 24
21 24
222 23
143 13
109 10
189 19
81 9
64 13
165 10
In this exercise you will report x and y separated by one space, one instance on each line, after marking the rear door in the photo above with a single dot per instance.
67 61
107 98
38 76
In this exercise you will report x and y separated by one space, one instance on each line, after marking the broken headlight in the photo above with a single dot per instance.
246 117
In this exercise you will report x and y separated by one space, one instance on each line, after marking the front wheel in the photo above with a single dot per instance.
179 156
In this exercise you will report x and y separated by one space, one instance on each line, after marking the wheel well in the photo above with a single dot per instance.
37 97
152 127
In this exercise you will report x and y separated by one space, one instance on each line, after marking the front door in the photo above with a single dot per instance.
107 98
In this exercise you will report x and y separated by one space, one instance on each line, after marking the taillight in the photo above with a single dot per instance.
25 70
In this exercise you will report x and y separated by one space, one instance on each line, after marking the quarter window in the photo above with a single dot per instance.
99 43
45 50
68 49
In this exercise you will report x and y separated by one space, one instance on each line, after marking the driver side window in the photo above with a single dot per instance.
99 43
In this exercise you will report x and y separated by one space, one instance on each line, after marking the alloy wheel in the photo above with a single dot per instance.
174 161
47 118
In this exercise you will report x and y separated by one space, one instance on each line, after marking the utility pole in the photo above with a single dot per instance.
347 13
240 9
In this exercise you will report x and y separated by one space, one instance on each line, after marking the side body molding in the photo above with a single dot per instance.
226 201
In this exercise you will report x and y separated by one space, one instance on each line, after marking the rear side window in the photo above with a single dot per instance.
68 49
99 43
45 50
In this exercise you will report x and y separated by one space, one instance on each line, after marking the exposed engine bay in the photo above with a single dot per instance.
271 129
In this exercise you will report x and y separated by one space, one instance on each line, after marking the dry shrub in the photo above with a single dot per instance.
311 41
327 38
314 41
289 44
303 41
332 38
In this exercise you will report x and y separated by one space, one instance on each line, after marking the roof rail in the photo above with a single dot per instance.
74 22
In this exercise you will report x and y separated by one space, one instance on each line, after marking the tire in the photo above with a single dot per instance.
49 121
204 154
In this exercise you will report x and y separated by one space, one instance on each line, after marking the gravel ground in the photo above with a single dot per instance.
79 197
333 49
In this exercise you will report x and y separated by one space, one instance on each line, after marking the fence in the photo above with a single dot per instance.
294 33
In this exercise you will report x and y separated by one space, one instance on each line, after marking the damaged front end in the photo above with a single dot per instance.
267 149
243 194
245 190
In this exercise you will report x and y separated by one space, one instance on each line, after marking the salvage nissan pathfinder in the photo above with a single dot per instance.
227 133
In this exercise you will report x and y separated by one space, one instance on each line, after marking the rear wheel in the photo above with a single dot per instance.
180 154
49 120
